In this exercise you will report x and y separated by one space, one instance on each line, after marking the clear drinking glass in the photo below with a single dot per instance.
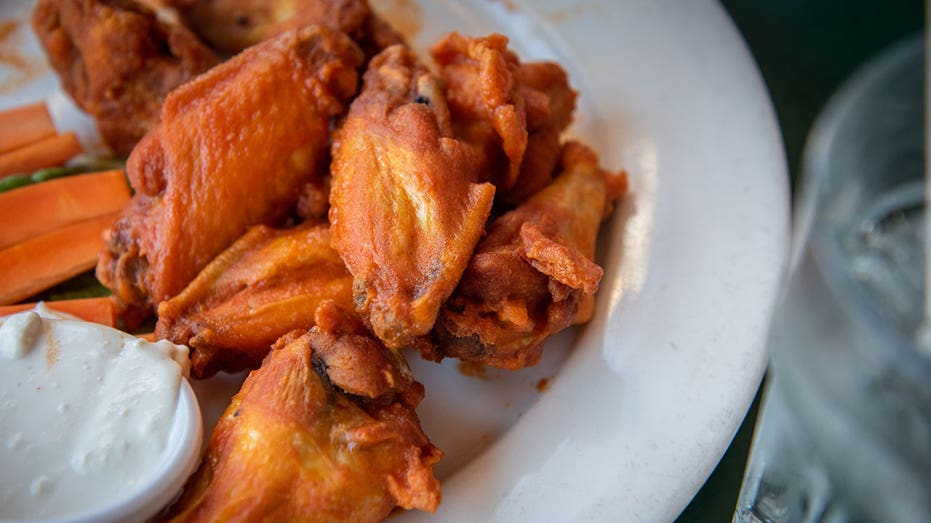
844 432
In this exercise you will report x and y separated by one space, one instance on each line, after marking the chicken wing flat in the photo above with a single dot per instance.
404 210
232 150
233 25
268 283
533 274
512 113
118 59
324 431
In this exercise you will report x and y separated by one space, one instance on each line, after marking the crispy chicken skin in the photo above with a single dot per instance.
117 59
533 274
511 112
233 25
404 210
324 431
268 283
233 149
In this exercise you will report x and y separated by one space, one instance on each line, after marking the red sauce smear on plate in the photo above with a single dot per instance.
17 68
507 4
473 369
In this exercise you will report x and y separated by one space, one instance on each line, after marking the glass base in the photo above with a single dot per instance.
786 483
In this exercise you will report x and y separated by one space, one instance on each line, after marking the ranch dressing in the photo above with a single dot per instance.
85 412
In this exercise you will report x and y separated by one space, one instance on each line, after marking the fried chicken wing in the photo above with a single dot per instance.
533 274
268 283
512 113
233 149
324 431
118 59
405 212
233 25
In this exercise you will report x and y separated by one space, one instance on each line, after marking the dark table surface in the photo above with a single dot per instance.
805 50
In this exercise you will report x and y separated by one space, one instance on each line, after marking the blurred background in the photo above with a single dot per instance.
805 50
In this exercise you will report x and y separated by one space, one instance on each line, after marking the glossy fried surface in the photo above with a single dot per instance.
118 59
233 25
233 149
511 112
533 274
405 212
324 431
268 283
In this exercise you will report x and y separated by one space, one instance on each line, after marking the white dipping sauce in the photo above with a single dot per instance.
85 412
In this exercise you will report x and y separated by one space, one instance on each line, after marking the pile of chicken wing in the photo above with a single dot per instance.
311 197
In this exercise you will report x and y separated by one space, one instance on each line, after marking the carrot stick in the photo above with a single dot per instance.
24 125
36 264
97 310
44 153
33 210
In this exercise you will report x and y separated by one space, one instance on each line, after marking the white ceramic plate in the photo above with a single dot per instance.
641 403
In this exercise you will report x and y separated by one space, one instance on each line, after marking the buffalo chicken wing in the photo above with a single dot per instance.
533 274
511 112
118 59
324 431
233 149
265 285
233 25
405 212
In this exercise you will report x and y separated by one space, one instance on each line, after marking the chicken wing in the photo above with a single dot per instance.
268 283
233 25
405 212
324 431
233 149
533 274
512 113
118 59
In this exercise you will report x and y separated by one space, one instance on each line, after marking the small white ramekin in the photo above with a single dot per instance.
164 483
